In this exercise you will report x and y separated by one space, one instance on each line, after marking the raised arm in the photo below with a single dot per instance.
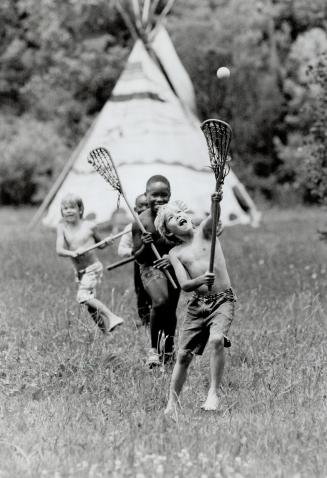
61 247
186 283
206 224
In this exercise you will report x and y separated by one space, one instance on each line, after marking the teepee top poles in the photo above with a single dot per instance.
141 18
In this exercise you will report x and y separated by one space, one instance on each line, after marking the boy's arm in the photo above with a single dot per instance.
61 248
140 242
97 237
125 246
188 284
206 224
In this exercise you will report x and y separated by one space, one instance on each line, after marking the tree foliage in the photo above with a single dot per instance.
60 61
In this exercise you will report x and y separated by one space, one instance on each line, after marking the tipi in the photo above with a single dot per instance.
150 126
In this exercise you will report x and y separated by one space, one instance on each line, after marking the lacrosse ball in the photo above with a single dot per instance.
223 72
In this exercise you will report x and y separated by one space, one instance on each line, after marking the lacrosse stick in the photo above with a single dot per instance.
114 265
102 162
218 136
104 241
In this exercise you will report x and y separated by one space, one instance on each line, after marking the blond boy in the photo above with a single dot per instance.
211 306
74 235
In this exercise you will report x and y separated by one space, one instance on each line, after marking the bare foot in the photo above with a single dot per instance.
211 402
172 410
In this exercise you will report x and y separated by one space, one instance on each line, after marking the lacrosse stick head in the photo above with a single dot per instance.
218 135
102 162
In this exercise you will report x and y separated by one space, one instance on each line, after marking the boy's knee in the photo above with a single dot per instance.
216 341
184 357
159 302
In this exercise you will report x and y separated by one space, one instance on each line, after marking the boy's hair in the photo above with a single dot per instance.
74 199
160 224
157 178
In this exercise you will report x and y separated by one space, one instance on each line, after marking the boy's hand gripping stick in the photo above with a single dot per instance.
102 162
218 135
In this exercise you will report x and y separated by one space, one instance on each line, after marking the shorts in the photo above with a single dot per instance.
150 274
206 316
88 279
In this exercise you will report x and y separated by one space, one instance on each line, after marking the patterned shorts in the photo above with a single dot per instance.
206 317
88 280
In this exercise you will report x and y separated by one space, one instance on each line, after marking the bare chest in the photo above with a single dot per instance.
78 237
195 254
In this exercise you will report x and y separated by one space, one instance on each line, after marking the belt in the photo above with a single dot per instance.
227 294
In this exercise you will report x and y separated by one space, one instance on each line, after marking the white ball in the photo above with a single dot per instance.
223 72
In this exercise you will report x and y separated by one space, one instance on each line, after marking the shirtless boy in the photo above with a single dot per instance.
75 234
211 306
164 297
125 249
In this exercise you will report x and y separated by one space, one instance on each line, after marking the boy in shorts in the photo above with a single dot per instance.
164 297
211 306
75 234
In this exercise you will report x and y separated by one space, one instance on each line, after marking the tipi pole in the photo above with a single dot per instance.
169 5
137 14
145 13
60 179
128 21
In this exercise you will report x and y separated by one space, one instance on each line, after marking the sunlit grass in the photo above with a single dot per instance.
74 404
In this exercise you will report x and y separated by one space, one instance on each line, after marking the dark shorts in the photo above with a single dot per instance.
206 317
150 274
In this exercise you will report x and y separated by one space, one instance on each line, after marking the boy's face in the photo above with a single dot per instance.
157 194
70 211
141 204
177 221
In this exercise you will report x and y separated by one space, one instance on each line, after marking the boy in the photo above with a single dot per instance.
211 307
125 249
164 297
74 234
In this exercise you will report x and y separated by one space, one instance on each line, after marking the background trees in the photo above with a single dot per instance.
60 61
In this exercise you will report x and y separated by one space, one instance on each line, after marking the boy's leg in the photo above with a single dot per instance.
170 324
178 378
155 284
96 316
217 362
107 318
142 298
220 321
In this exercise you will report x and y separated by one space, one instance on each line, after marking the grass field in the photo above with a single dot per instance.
74 404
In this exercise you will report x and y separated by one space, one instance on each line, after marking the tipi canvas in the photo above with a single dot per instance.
150 127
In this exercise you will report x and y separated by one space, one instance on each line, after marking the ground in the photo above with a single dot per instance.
76 405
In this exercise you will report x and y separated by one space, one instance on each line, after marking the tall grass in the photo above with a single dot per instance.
76 404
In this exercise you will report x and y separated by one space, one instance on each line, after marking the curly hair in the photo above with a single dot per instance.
160 222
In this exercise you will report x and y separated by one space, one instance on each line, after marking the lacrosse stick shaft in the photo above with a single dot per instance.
144 231
114 265
104 241
153 247
215 212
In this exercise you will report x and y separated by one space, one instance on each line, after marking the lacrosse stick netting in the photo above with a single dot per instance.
102 162
218 135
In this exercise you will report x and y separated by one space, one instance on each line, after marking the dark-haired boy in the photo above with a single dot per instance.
125 249
164 297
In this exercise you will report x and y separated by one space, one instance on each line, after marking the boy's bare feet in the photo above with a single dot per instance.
172 409
211 403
